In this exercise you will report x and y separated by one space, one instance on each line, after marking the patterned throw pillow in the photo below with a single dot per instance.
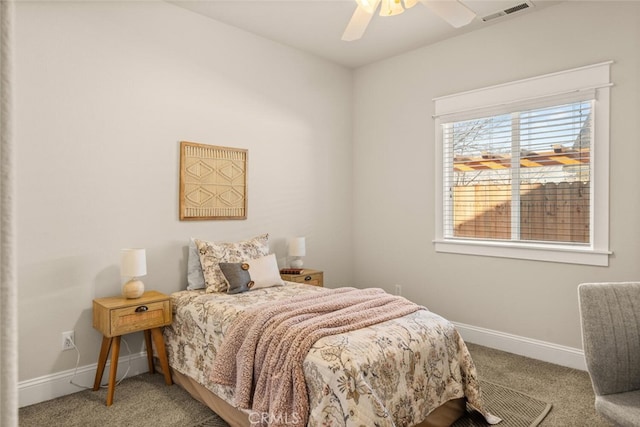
212 254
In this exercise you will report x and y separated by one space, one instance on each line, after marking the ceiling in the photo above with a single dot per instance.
316 26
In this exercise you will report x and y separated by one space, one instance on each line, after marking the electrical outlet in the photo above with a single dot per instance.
398 290
68 340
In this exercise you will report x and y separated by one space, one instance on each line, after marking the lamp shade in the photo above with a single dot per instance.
297 246
133 263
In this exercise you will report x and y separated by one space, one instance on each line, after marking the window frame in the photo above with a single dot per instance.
537 90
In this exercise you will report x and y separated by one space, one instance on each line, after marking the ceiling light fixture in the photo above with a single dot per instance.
391 8
368 5
452 11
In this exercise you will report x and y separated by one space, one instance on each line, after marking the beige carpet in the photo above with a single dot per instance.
145 400
140 401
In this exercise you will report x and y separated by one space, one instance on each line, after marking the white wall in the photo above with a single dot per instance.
394 169
104 93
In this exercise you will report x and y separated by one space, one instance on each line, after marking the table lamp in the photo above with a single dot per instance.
133 264
297 250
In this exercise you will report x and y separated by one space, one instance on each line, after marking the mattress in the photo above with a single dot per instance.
393 373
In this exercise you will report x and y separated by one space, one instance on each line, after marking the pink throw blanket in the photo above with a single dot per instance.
266 346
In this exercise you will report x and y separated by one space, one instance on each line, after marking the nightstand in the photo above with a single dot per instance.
117 316
308 276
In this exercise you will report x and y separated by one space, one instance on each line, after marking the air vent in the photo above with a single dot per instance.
508 11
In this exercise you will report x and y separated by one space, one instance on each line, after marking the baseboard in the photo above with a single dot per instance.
49 387
535 349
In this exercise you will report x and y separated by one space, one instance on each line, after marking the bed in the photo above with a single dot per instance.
402 372
261 351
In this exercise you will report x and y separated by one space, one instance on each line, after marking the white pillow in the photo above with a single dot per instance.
264 272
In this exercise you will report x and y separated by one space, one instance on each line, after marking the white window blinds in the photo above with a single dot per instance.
522 175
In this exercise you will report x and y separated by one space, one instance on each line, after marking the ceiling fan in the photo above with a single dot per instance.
452 11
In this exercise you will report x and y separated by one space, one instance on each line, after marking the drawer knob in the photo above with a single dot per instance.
142 309
307 278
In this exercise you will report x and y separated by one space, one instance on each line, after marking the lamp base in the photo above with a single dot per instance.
297 263
134 288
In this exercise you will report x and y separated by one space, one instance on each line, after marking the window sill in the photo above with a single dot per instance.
535 252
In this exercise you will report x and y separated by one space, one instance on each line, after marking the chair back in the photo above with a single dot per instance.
610 319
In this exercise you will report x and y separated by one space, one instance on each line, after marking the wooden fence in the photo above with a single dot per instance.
549 212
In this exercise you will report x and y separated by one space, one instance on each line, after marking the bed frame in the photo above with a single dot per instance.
443 416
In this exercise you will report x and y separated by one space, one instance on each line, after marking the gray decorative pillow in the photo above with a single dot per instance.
212 254
237 276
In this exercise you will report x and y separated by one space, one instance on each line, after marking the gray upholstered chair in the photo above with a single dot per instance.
610 314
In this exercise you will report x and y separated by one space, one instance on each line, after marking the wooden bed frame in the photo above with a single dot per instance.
442 416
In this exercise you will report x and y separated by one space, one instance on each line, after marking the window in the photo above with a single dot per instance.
523 169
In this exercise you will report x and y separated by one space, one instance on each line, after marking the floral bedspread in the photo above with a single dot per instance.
390 374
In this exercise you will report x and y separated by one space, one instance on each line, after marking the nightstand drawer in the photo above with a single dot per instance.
312 277
140 317
114 316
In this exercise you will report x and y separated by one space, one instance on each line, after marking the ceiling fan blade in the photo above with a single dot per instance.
452 11
359 22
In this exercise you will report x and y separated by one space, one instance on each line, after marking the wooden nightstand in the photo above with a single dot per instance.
308 276
117 316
